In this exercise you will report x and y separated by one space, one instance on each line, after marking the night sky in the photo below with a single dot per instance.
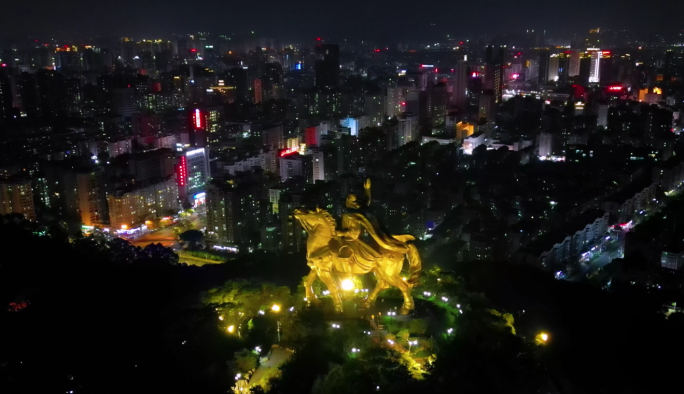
373 19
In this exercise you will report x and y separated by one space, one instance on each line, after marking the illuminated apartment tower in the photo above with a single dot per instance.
192 174
197 134
574 62
600 64
17 197
494 71
553 68
460 94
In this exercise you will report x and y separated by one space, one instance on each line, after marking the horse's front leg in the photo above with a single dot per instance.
329 280
308 287
379 286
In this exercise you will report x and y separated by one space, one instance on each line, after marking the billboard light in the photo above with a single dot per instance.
194 152
289 151
198 119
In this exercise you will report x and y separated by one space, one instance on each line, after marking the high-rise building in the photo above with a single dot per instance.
346 152
291 165
487 105
318 165
258 93
606 66
130 208
459 96
27 95
192 174
585 68
123 101
6 110
395 100
272 136
603 115
564 60
327 65
355 124
437 102
553 68
574 62
374 107
151 165
494 71
90 202
601 63
224 214
197 134
16 196
293 235
543 59
407 130
545 144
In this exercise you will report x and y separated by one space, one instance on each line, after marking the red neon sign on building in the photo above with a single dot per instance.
288 152
615 88
197 119
182 172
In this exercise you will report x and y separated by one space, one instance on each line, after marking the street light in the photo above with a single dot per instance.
449 331
391 342
355 350
347 285
391 315
542 338
412 343
231 328
335 325
275 308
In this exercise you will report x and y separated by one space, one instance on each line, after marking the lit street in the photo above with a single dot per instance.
612 252
165 235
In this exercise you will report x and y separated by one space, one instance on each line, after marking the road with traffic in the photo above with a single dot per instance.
165 235
613 251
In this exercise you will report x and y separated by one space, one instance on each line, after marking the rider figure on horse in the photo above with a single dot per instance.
359 217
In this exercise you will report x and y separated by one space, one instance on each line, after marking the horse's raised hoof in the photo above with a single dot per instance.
403 311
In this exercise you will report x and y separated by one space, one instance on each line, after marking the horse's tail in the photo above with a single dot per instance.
415 265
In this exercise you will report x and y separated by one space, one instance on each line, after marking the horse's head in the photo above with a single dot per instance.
316 221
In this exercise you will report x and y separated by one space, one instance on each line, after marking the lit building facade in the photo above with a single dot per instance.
192 174
129 209
17 197
290 165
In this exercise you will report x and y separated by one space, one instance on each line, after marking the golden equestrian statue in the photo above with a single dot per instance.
335 255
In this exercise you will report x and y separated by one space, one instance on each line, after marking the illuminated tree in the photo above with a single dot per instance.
240 300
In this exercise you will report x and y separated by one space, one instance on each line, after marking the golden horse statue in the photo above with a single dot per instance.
333 256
